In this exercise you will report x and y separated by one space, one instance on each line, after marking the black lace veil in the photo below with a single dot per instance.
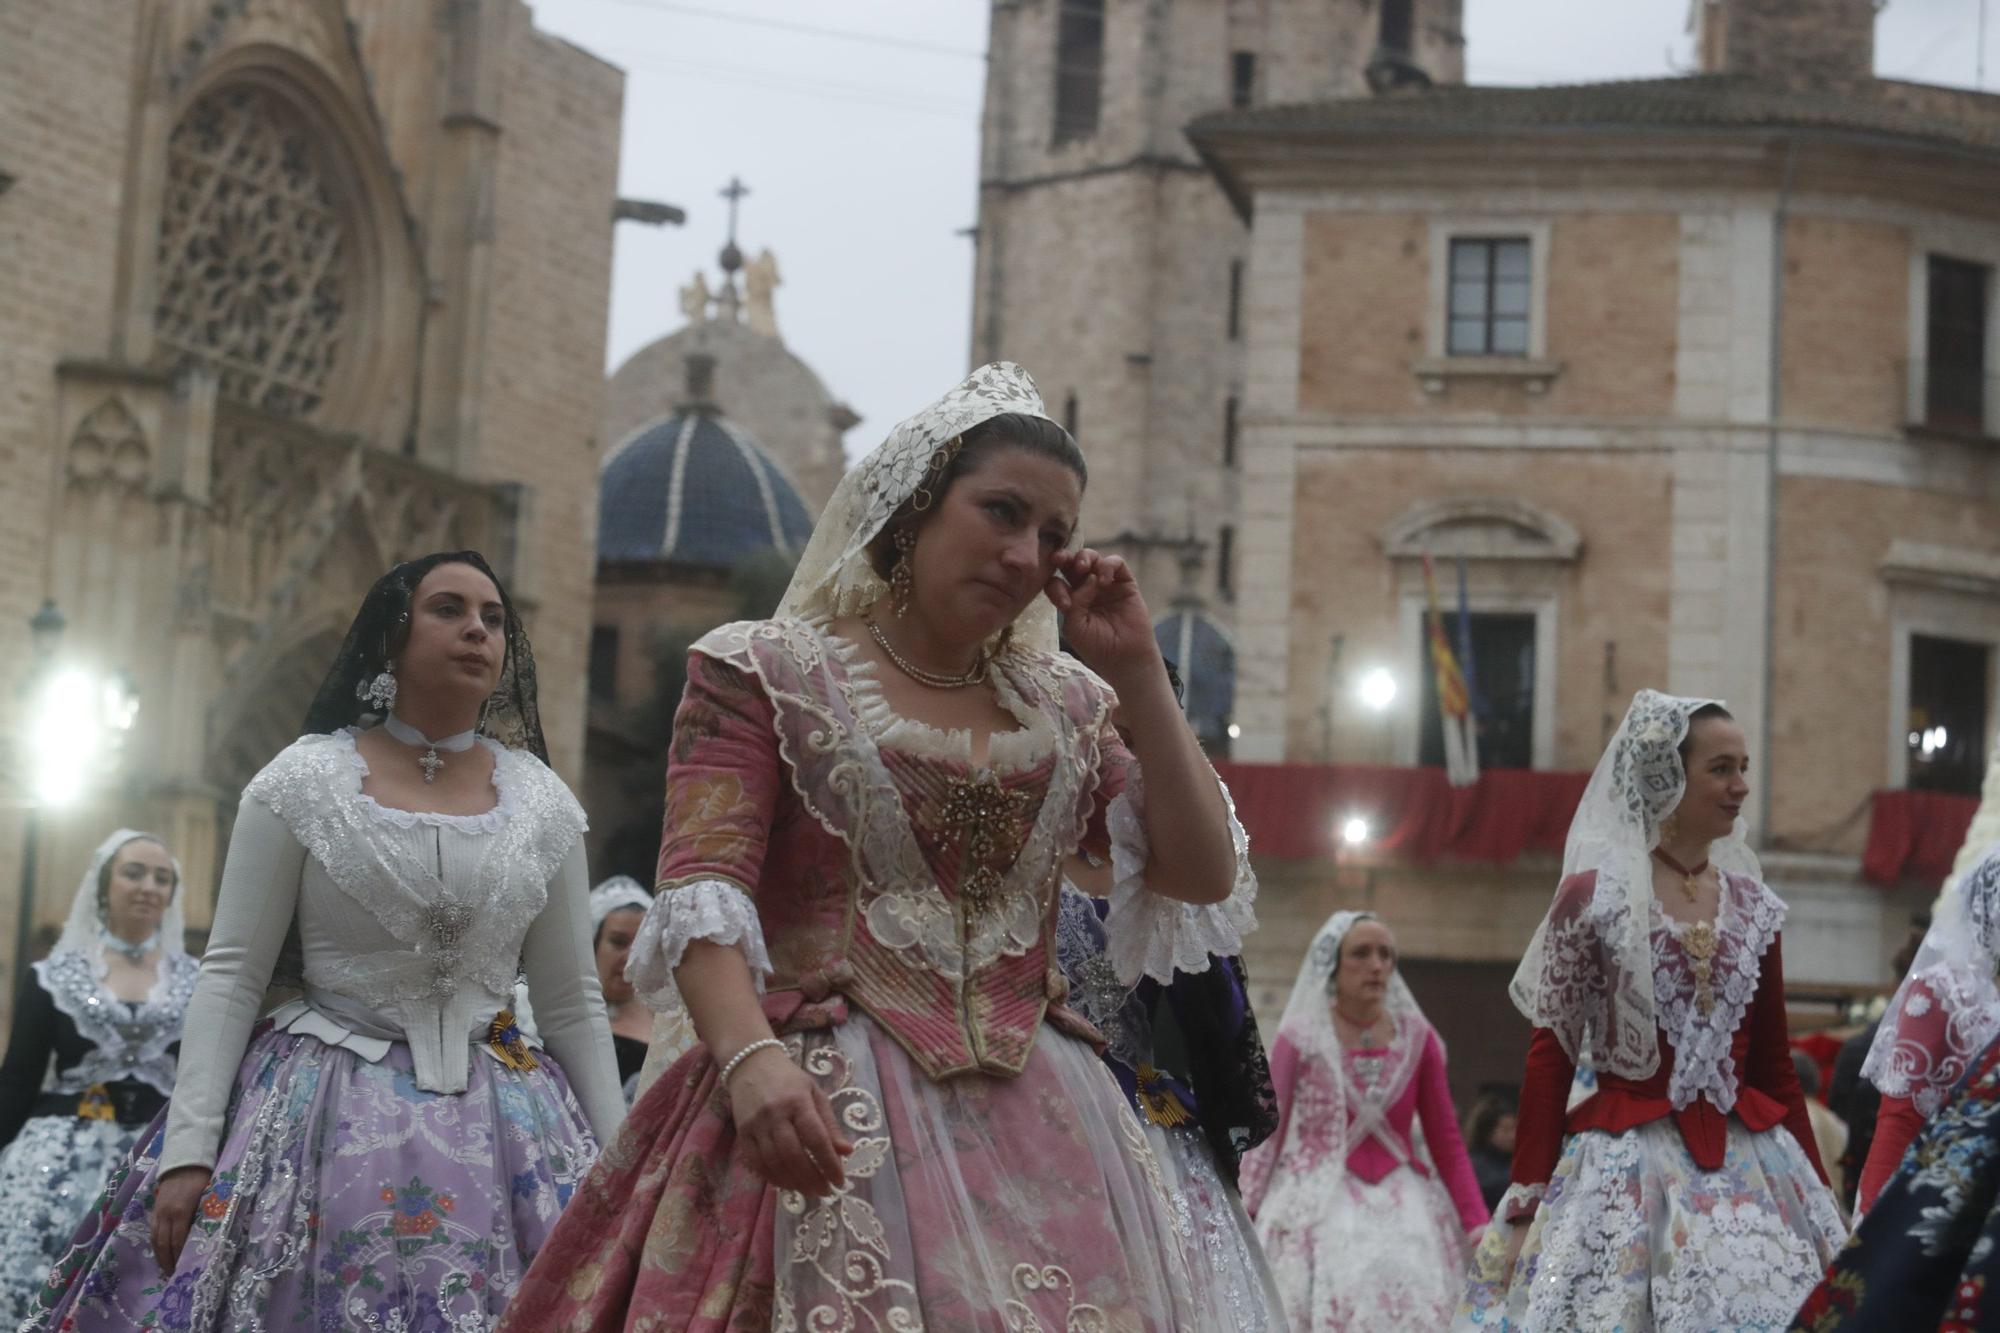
511 715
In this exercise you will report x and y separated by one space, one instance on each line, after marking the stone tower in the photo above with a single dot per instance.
1109 262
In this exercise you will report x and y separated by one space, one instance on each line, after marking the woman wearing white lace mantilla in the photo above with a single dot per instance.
1942 1018
892 1119
96 1029
387 1152
1364 1198
1685 1194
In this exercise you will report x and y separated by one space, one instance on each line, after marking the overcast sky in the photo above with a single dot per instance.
861 152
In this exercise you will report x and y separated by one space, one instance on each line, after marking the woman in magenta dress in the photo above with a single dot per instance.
1365 1220
891 1119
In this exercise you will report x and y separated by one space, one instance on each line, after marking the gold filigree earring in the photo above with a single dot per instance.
903 575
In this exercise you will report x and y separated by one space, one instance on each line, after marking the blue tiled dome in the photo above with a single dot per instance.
696 489
1206 660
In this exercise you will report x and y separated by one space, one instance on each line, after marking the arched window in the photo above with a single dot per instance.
256 254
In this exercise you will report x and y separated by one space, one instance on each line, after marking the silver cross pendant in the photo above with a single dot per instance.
430 763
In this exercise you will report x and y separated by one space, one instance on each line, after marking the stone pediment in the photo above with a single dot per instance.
1481 528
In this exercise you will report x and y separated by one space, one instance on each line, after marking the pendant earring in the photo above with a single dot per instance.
902 576
485 711
379 693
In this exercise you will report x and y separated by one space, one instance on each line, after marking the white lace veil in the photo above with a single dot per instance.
618 892
834 577
1948 1008
1588 973
1307 1026
83 931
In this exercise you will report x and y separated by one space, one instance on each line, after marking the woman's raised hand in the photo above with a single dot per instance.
1105 619
787 1126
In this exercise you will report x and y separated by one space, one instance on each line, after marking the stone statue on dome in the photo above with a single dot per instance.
695 299
760 280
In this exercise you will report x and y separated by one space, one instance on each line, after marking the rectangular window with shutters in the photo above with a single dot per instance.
1242 79
1502 675
1948 711
1491 296
1225 563
1079 68
1234 321
1230 407
1955 379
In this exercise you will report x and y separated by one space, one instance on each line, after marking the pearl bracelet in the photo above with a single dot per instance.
745 1054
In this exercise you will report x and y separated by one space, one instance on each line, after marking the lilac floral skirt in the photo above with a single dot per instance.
344 1197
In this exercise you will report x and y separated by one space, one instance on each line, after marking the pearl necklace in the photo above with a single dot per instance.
933 679
429 760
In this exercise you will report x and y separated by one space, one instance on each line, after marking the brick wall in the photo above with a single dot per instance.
1799 42
1846 331
543 382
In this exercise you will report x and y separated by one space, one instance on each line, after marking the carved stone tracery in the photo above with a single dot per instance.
255 252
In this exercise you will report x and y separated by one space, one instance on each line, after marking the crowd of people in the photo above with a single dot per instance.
934 1016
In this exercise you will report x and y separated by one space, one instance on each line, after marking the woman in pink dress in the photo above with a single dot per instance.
1365 1201
891 1119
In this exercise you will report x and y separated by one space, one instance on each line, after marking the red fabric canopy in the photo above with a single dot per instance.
1294 811
1916 835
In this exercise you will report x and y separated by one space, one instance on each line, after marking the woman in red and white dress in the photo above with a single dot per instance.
1685 1194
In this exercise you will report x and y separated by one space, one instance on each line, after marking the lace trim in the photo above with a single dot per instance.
1151 935
715 910
127 1041
836 769
492 821
1747 918
1111 1006
1006 751
1520 1202
314 786
1925 1064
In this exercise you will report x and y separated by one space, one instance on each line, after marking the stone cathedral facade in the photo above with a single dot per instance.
289 290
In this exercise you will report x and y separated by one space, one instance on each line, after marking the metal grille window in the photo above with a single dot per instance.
1491 283
1955 346
1079 68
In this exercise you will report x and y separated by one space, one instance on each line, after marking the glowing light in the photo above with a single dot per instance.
1354 831
1235 732
1377 690
1930 741
76 726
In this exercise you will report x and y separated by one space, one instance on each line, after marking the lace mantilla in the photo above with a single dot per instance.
1151 935
836 769
1748 917
704 909
128 1041
470 931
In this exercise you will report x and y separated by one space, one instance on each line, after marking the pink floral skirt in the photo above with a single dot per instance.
978 1203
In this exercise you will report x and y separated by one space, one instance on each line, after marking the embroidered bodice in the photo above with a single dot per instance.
848 850
410 927
1704 977
127 1041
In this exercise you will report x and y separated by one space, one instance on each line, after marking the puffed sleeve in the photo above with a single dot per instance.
723 778
562 976
253 911
1148 934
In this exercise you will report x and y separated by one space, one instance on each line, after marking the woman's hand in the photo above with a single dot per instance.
1104 617
787 1126
1516 1232
175 1199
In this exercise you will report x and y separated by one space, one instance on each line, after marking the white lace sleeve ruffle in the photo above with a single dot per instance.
1148 934
705 909
1519 1202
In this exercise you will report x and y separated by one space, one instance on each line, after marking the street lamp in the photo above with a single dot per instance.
76 725
1377 689
1354 830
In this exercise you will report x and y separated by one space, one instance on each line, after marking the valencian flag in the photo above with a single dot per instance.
1461 754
